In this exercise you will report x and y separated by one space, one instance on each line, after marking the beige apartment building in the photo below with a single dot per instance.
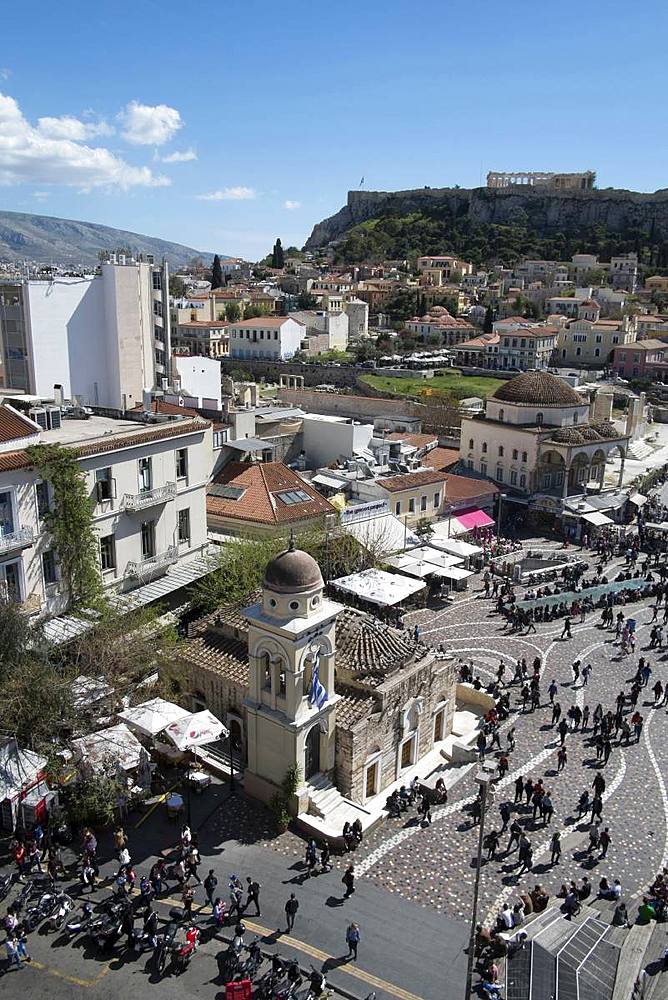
584 342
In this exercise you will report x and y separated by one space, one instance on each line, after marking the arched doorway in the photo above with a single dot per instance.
312 753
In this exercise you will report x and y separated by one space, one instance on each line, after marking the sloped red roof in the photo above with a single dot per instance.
261 481
411 480
440 458
13 426
464 488
173 409
417 440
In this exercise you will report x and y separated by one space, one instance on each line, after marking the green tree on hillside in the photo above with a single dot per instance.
216 273
277 255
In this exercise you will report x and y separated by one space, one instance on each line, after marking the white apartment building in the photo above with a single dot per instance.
524 345
276 338
333 325
148 486
104 338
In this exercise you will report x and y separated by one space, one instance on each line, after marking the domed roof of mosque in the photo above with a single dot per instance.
292 570
568 435
537 389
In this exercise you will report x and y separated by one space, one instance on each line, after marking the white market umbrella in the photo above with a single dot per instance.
151 717
196 730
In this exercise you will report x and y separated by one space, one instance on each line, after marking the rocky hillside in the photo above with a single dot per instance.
68 242
481 223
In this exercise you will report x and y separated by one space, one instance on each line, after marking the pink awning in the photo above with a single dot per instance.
474 519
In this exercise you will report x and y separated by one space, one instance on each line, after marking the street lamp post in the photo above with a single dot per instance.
232 787
484 779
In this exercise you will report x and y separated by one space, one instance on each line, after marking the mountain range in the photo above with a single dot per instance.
68 242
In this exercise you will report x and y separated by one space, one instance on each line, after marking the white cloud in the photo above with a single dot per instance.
69 127
149 125
291 205
229 194
183 156
5 73
41 195
28 155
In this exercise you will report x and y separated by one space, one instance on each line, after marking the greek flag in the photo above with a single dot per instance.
317 694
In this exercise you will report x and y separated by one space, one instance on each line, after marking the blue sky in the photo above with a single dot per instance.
225 125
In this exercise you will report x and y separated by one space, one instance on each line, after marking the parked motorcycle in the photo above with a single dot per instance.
64 905
254 960
80 922
6 882
106 930
164 947
44 908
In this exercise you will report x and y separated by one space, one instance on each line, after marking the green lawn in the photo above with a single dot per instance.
459 385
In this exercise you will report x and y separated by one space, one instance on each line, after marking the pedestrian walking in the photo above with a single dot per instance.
555 846
352 940
291 907
556 713
576 671
481 743
596 808
547 809
515 834
253 894
585 718
511 739
552 690
502 765
566 632
562 729
504 810
349 881
605 840
586 674
492 844
562 758
187 897
210 885
519 788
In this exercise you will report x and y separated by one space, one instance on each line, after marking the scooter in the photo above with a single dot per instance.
64 905
182 954
81 921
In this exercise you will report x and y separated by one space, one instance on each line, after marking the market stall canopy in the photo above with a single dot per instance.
597 519
475 519
456 573
109 749
151 717
19 769
381 534
434 556
457 547
638 499
449 528
88 691
379 587
196 730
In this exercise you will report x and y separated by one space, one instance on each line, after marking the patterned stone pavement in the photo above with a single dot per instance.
434 866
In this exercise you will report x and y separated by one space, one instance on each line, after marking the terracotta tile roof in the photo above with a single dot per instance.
370 649
440 458
352 707
160 406
484 340
463 488
647 345
113 443
417 440
261 481
214 651
11 460
214 324
13 426
410 480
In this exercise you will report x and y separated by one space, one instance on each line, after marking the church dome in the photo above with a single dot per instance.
292 570
537 389
568 435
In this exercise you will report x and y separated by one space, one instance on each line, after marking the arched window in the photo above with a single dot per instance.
501 413
307 676
470 444
575 417
265 671
500 451
539 418
484 447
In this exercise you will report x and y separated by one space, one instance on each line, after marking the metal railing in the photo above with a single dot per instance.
154 564
149 498
16 539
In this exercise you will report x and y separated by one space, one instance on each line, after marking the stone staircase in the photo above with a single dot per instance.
324 797
328 810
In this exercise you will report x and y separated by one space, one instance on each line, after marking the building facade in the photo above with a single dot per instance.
147 485
103 338
276 338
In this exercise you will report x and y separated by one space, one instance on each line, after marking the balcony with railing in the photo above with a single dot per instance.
21 538
149 498
154 565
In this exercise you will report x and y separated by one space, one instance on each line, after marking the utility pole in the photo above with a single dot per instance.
484 779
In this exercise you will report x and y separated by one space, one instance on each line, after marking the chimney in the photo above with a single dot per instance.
58 395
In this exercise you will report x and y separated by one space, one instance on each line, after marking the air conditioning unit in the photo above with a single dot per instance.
48 417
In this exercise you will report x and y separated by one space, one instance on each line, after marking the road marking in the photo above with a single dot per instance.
661 783
85 984
159 802
313 952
